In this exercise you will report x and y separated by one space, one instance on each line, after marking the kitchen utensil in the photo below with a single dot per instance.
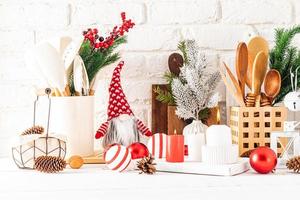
258 74
81 81
51 65
255 45
242 65
238 98
175 61
272 84
250 100
33 66
64 42
71 51
233 80
264 100
94 85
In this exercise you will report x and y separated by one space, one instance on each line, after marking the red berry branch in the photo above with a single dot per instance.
98 42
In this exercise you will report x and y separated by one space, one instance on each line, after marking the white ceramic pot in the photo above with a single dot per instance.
194 138
74 117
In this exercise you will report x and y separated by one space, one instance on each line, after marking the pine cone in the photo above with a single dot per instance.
146 165
49 164
33 130
247 153
294 164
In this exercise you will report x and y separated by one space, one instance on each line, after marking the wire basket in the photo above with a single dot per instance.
32 146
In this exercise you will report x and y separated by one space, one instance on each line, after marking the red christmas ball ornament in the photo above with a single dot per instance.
263 160
138 150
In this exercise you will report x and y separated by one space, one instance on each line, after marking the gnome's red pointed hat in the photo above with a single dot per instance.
118 104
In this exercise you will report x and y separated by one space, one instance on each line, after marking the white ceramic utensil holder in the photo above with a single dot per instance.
74 117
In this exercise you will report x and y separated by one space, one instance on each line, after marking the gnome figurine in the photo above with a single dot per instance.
122 126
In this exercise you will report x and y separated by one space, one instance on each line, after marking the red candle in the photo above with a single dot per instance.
175 148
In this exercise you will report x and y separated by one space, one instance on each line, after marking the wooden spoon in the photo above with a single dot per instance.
255 45
175 61
272 84
258 74
241 65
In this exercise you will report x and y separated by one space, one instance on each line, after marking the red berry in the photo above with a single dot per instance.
91 37
123 15
97 45
95 31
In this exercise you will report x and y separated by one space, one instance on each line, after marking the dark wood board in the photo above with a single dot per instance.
174 122
159 123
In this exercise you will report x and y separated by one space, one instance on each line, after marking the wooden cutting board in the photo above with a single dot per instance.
174 122
159 123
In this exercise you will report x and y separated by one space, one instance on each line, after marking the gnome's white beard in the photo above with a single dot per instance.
122 130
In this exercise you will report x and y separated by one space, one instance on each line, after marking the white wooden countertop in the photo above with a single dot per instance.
97 182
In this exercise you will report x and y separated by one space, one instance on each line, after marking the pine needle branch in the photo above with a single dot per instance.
284 57
182 47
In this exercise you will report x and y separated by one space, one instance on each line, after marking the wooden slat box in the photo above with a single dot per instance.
252 126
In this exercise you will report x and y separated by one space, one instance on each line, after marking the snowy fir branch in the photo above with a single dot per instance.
194 89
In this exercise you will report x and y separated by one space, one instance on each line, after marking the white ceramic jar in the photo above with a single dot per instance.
74 118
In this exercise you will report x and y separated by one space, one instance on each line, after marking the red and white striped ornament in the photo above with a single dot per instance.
157 145
117 157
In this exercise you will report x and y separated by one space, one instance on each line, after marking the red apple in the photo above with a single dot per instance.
138 150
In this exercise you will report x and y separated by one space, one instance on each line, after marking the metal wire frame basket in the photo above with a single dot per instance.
34 146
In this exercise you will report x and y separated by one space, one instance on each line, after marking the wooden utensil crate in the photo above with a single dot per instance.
252 126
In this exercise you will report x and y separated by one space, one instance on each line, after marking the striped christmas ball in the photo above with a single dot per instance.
157 145
117 157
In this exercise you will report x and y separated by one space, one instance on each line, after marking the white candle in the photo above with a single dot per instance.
218 135
219 148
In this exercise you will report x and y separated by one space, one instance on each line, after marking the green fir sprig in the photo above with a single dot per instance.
285 57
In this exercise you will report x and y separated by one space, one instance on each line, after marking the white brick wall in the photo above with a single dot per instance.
217 25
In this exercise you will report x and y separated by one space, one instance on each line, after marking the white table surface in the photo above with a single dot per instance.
97 182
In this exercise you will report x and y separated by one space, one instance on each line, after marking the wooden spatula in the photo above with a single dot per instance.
255 45
241 65
259 70
238 98
237 90
80 77
51 65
